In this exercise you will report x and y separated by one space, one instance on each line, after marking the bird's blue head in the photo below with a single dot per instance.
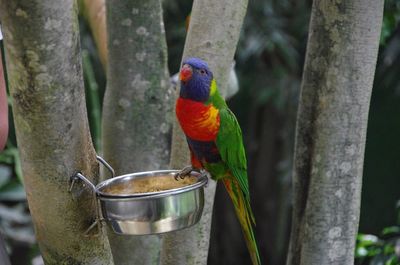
196 77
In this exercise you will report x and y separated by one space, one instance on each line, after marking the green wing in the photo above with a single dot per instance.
230 146
230 141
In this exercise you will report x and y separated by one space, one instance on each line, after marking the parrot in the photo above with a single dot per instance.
215 141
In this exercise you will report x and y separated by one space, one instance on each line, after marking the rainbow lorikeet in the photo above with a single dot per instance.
215 140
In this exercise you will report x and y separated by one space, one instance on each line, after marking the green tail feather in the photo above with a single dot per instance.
245 216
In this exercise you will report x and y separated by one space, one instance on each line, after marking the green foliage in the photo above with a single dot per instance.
390 21
10 156
383 250
15 221
272 49
93 98
95 82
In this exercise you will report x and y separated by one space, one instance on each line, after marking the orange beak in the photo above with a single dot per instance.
186 73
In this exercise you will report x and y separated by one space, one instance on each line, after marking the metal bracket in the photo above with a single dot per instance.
79 176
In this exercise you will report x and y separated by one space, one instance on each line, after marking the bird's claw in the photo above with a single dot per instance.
184 172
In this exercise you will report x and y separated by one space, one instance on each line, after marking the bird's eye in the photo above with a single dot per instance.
202 71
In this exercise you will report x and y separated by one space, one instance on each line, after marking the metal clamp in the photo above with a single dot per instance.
79 176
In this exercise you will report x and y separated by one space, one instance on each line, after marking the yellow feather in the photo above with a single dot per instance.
243 212
209 119
213 88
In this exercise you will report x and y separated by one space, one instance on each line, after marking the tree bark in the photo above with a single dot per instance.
331 130
44 70
213 35
137 114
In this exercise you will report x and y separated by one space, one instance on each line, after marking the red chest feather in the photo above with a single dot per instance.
198 121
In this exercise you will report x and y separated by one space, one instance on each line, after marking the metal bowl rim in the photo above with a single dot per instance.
202 181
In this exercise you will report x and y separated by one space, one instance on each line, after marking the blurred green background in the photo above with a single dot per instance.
269 62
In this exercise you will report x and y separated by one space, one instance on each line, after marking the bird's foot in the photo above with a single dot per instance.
185 172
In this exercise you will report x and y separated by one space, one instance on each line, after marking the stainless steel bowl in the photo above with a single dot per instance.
150 212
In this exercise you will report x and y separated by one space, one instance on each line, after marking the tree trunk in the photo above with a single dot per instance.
213 35
137 115
44 70
331 129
